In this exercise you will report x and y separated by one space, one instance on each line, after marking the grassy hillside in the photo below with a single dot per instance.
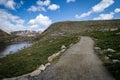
73 27
4 37
109 40
49 42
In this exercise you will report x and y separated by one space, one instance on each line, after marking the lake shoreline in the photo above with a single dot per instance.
13 47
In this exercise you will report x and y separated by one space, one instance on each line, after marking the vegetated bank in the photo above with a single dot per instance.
49 42
4 37
108 43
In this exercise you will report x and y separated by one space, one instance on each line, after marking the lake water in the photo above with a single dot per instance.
14 47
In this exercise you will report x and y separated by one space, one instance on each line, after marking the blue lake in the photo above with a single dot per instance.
14 47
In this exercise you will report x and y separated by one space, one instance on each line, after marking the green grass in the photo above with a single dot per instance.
29 59
105 40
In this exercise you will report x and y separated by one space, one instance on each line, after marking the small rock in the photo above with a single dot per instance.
35 73
106 57
42 67
14 78
109 55
71 44
62 50
63 47
57 54
97 48
115 60
47 64
50 58
118 33
29 54
110 50
117 53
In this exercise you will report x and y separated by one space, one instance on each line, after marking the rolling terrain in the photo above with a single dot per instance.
50 41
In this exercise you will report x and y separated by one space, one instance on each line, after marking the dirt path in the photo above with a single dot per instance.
79 62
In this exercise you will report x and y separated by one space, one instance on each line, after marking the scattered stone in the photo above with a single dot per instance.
106 57
42 67
50 58
118 33
62 50
23 78
110 50
115 60
35 73
14 78
63 47
57 54
71 44
97 48
117 53
29 54
109 55
47 64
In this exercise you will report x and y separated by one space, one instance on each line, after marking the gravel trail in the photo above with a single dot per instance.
79 62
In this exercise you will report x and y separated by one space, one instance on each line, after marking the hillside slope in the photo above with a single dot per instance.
50 42
73 27
4 37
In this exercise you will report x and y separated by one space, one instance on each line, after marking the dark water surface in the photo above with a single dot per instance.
13 47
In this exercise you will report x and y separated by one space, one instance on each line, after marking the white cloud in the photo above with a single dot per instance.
34 8
8 4
40 22
53 7
19 4
83 15
10 22
43 3
68 1
102 5
117 10
97 8
105 16
11 4
43 6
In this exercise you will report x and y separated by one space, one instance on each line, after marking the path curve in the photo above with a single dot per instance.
79 62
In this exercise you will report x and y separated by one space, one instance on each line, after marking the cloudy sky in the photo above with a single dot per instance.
39 14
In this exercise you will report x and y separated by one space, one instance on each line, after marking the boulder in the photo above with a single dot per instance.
57 54
47 64
63 47
62 50
35 73
50 58
115 60
98 50
106 57
110 50
42 67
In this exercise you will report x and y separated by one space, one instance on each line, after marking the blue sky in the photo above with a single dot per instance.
39 14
